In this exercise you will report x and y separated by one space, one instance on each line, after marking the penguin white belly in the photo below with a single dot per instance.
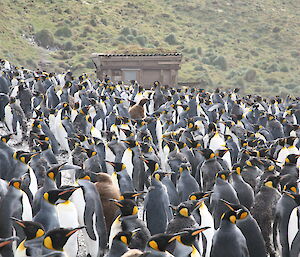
115 229
99 125
109 156
227 159
33 181
293 227
27 211
21 250
293 150
8 118
283 153
77 199
207 221
216 142
127 160
18 132
67 216
74 113
96 133
62 137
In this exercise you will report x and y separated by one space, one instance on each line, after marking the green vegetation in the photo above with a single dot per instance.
250 44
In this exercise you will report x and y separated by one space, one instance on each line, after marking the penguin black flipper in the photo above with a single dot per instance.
295 247
88 220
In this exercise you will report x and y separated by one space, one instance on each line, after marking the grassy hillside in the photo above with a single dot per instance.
251 44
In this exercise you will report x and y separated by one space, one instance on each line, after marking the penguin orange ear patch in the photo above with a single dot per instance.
232 219
184 212
124 240
193 197
153 245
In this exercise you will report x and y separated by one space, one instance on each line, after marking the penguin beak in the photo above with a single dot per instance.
227 204
8 241
143 159
68 190
138 194
74 231
116 202
200 230
201 201
111 163
19 222
67 166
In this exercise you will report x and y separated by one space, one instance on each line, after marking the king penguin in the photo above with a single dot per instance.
228 240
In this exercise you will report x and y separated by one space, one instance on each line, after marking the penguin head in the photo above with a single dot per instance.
124 237
57 238
128 133
24 157
151 164
237 168
36 124
7 241
118 100
180 144
66 191
143 101
188 236
295 197
223 175
16 183
131 195
200 195
184 167
291 140
145 147
53 172
272 181
221 152
31 229
159 175
127 207
292 159
186 208
130 143
118 166
229 216
291 187
44 145
241 211
159 242
207 153
5 138
51 196
90 152
81 137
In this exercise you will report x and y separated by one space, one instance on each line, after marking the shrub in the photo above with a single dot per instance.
171 39
44 38
142 40
125 31
63 32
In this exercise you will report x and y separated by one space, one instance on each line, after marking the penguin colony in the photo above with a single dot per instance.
215 174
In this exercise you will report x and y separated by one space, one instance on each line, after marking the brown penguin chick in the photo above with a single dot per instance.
137 111
132 253
107 190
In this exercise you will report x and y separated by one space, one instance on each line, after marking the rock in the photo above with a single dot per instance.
220 62
250 75
276 29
